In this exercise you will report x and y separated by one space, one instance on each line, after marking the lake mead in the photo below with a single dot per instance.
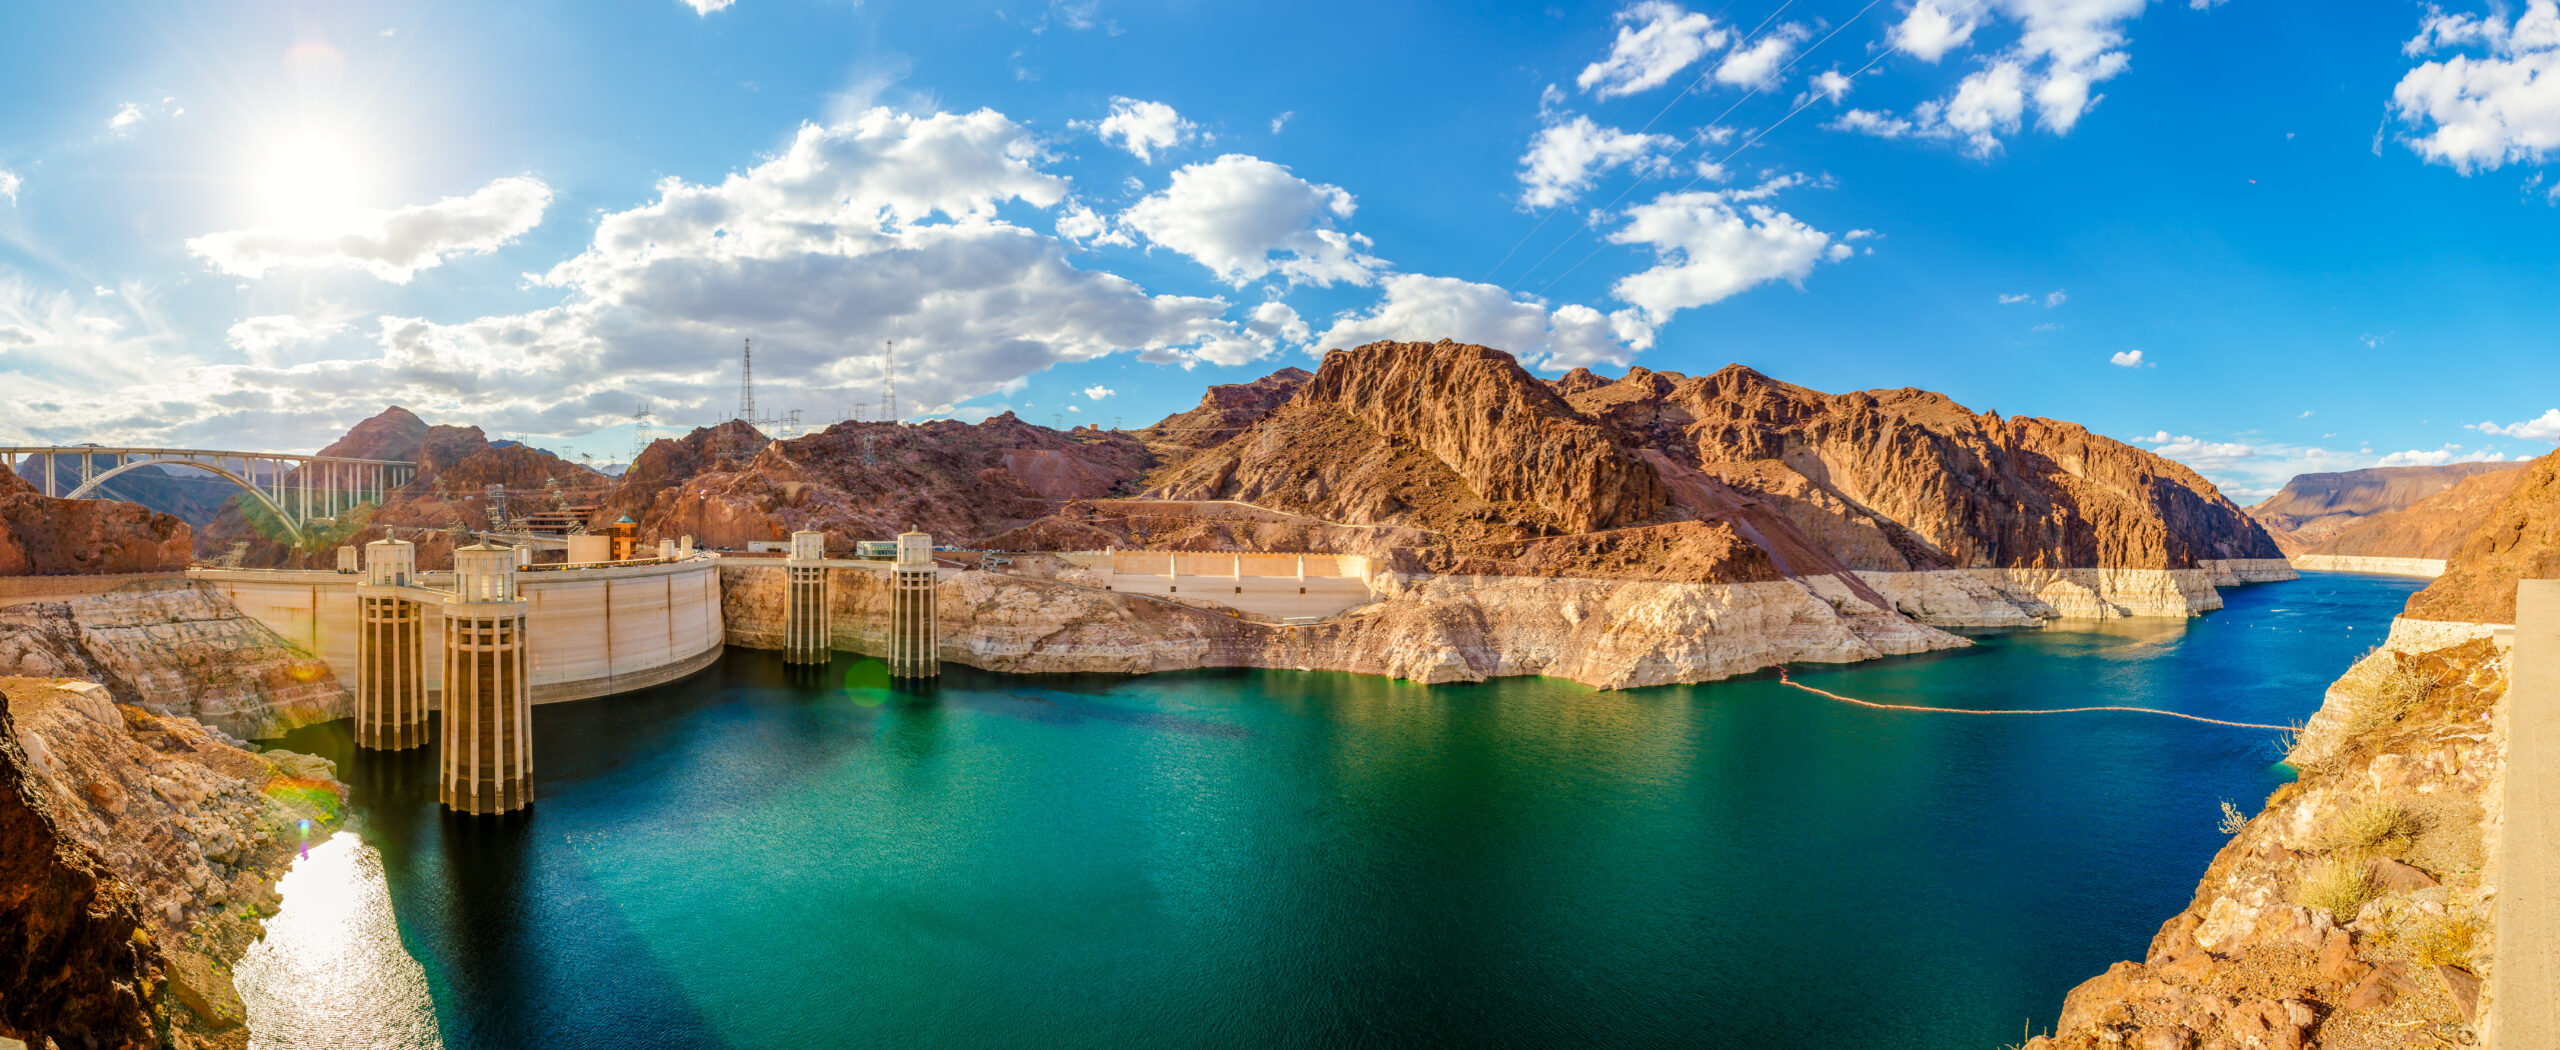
767 857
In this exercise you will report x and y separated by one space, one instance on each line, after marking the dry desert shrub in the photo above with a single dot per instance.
2337 885
2446 940
2376 827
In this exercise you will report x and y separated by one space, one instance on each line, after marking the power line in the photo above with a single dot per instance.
1703 74
1699 136
1737 150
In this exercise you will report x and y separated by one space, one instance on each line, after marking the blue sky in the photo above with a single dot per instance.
2257 241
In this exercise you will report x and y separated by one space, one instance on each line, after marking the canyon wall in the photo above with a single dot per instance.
2353 911
2517 538
138 856
2428 568
2314 512
1610 634
175 647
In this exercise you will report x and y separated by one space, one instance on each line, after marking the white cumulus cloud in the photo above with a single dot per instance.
1757 66
1098 392
1710 245
2065 48
9 184
2545 427
2437 457
1145 128
1245 218
881 226
1423 308
1656 39
392 245
2128 359
700 7
2483 110
1927 31
1569 153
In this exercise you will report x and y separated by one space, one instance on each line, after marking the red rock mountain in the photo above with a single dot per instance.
1224 411
456 466
1460 441
41 535
963 482
1909 479
2517 539
2314 508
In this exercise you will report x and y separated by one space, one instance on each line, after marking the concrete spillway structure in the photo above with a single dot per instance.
915 636
804 616
391 642
487 757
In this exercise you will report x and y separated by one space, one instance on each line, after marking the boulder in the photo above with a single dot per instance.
2384 986
2391 876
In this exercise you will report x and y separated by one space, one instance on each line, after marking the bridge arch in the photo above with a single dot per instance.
281 515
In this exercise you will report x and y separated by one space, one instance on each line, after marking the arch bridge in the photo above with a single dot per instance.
298 490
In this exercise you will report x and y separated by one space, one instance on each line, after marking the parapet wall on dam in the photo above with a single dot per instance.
592 630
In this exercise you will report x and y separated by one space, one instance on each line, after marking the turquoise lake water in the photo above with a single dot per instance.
763 857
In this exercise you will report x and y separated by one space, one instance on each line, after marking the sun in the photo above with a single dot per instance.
311 183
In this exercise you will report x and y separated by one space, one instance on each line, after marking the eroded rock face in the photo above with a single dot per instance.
1909 479
142 854
2314 511
1611 634
43 535
2517 539
177 648
2272 952
962 482
1224 411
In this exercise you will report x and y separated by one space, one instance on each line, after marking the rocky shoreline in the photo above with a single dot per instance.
138 859
1606 633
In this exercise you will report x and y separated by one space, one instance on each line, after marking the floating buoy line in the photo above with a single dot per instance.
1782 677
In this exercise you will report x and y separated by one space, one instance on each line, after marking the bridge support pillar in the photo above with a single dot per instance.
391 683
915 637
486 762
804 622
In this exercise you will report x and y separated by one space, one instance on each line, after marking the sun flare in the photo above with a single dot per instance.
310 183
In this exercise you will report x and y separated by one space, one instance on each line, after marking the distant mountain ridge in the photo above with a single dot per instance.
2313 509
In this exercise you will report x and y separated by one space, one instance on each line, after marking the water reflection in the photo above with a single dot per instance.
331 971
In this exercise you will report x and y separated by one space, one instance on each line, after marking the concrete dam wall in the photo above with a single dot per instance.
591 630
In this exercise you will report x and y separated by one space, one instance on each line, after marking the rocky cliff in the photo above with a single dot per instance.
1610 634
1224 411
2352 912
177 648
1899 480
2314 509
138 857
962 482
2517 538
1457 443
41 535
